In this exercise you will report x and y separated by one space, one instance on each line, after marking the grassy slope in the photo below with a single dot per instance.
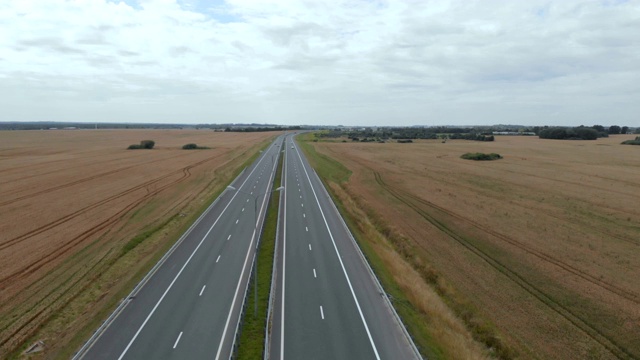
124 268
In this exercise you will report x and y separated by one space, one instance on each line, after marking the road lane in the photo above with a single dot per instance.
328 303
190 306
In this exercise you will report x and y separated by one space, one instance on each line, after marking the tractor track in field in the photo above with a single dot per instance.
79 181
586 225
16 240
28 328
65 169
67 246
561 310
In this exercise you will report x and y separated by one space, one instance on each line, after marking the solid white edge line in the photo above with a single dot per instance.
344 270
202 291
177 340
182 269
284 257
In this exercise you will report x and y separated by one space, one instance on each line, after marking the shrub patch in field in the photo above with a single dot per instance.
632 142
481 156
192 146
144 144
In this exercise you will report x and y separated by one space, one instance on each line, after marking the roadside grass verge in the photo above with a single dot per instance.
251 343
116 273
331 170
434 327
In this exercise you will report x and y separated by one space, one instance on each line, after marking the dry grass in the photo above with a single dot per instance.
71 201
542 245
449 338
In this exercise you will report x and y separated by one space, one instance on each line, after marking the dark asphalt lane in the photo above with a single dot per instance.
189 307
328 304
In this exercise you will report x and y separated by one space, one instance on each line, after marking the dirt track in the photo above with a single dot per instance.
69 201
544 242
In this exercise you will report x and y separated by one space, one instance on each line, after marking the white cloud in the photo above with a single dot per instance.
315 62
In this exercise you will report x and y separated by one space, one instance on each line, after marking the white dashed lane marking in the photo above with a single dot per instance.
177 340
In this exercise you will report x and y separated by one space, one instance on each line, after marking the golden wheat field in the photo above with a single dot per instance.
544 243
69 203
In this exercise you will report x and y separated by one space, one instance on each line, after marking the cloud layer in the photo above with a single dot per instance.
316 62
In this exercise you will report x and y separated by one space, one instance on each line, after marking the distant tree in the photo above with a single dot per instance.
579 133
625 129
637 131
586 133
148 144
599 128
144 144
614 129
553 133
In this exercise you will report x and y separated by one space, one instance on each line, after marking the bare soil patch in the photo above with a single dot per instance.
544 243
71 200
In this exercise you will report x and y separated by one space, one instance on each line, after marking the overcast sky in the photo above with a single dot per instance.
423 62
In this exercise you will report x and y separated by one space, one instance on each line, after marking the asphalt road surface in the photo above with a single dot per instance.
328 304
189 306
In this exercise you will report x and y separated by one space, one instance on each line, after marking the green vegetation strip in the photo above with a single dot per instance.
251 343
330 169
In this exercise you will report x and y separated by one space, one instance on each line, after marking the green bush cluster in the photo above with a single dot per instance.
632 142
144 144
481 156
192 146
562 133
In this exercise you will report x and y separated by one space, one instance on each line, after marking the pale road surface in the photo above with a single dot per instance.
328 304
190 306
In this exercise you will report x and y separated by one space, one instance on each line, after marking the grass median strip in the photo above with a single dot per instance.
251 343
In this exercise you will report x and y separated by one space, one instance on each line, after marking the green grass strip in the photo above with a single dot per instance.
251 343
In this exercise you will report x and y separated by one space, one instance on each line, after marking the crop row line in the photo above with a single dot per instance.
580 323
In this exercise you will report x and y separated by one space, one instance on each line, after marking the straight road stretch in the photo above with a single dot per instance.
328 304
189 306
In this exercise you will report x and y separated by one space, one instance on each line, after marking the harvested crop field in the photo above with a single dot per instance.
544 243
82 217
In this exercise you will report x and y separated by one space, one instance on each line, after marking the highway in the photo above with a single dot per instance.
327 304
189 305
